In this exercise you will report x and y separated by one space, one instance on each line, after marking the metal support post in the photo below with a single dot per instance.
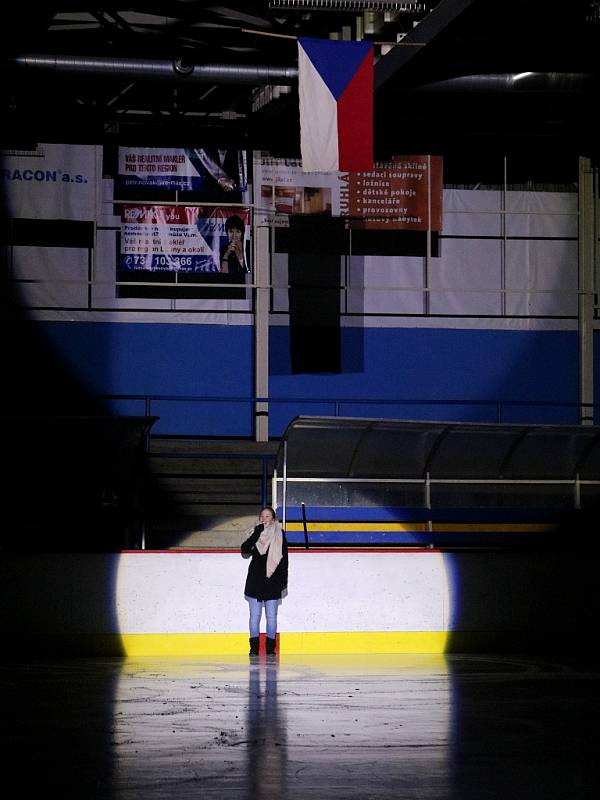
261 333
586 292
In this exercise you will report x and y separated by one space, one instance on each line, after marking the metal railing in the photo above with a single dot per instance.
497 410
427 482
281 482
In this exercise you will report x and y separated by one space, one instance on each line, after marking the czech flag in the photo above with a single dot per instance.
335 83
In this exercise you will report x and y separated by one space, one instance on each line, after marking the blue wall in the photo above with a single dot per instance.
443 374
416 373
189 362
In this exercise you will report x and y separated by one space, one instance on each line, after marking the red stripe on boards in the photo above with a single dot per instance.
355 120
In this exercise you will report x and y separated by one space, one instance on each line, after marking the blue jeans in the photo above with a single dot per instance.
256 607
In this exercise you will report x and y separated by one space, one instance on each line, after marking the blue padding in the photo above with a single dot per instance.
385 537
167 361
390 514
359 537
536 371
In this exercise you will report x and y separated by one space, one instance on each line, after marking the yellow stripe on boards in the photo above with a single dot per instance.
338 642
156 644
293 644
314 527
183 644
415 527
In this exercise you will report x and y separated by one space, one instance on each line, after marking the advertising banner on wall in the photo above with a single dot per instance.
403 194
52 181
212 173
281 189
173 238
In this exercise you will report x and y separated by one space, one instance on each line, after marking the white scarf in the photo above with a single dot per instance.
271 540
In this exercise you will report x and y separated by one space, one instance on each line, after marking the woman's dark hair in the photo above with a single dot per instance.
268 508
235 222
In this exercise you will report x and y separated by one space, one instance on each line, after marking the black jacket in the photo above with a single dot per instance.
257 583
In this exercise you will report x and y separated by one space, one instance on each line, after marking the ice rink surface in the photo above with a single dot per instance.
465 727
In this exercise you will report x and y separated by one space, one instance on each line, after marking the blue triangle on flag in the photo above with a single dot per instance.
336 61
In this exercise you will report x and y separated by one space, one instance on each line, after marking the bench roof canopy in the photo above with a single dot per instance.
343 447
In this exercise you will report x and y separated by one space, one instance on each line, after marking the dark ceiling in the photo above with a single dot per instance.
528 73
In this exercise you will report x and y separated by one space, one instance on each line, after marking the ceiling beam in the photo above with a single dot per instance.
444 13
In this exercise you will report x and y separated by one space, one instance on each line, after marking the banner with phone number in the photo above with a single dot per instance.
176 238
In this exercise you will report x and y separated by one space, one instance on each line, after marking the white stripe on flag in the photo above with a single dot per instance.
318 119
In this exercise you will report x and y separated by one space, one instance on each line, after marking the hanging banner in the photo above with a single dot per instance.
283 189
185 239
403 194
52 181
212 173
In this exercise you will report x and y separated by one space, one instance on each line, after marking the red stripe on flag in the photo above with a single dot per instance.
355 120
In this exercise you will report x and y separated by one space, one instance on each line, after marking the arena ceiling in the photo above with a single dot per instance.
472 76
